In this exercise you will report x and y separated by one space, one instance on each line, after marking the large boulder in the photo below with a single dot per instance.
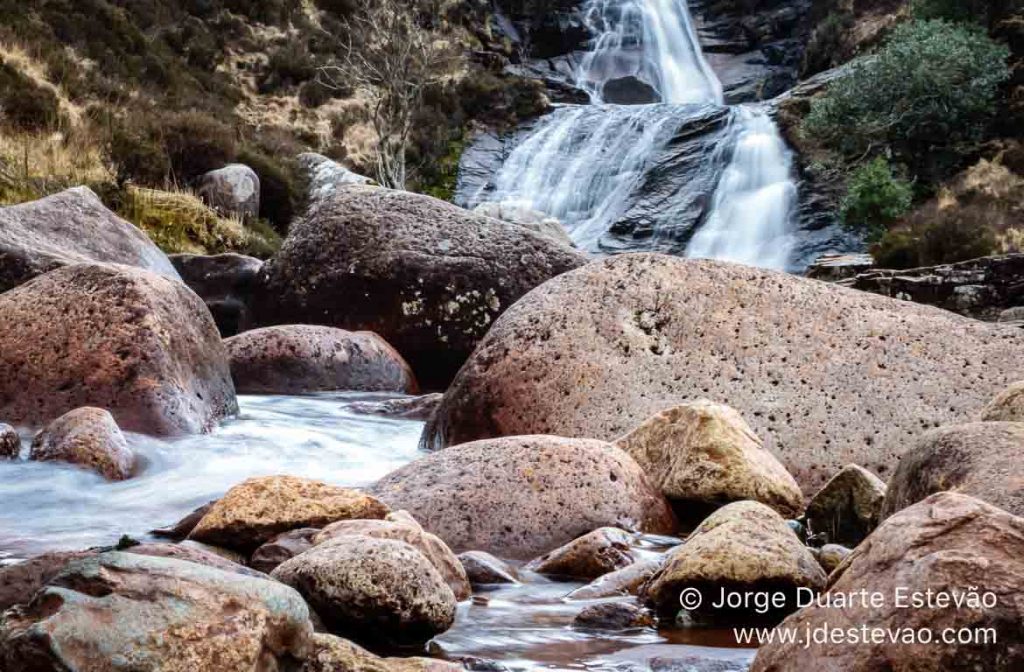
848 507
1008 406
125 611
949 545
596 351
980 459
525 495
705 452
429 277
300 358
225 282
231 190
380 590
258 509
408 408
744 548
89 438
142 346
71 227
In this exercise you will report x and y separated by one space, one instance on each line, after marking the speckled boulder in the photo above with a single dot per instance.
595 351
525 495
10 442
744 547
87 437
258 509
334 654
380 590
299 358
592 555
705 452
981 459
946 543
848 507
119 610
231 190
432 548
1008 406
427 276
72 227
142 346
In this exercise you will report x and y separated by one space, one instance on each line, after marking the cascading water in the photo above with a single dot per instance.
587 164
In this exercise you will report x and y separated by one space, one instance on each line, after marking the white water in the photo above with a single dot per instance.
581 163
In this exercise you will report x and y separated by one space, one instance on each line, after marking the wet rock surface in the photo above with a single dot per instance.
947 543
225 282
596 351
592 555
414 408
613 616
483 569
848 507
525 495
140 345
301 358
425 275
625 581
71 227
89 438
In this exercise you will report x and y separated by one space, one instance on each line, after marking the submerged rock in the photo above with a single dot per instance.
483 569
146 613
10 442
231 190
705 452
949 543
613 616
743 548
72 227
142 346
980 459
427 276
596 351
625 581
1008 406
592 555
380 590
413 408
87 437
258 509
524 495
848 507
225 282
301 358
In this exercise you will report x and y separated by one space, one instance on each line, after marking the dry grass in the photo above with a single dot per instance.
33 165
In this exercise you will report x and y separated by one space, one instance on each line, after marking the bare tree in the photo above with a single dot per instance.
393 58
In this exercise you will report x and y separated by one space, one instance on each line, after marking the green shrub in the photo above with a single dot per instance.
932 84
967 11
288 66
875 199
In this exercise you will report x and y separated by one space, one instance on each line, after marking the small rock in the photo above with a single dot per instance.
10 442
980 459
744 547
705 452
847 508
183 527
410 408
625 581
831 556
1008 406
483 569
613 616
231 190
379 590
284 546
87 437
258 509
334 654
301 358
594 554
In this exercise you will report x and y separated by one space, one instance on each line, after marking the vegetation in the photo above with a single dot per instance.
875 199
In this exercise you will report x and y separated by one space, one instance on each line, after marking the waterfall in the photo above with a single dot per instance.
589 165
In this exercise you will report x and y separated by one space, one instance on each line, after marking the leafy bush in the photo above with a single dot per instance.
933 84
875 199
967 11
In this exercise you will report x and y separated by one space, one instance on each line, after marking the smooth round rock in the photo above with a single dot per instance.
483 569
87 437
592 555
231 190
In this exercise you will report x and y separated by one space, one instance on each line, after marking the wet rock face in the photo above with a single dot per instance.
71 227
427 276
231 190
613 616
592 555
258 509
596 351
1008 406
525 495
980 459
413 408
625 581
946 543
10 442
742 548
706 453
142 346
380 590
225 282
87 437
848 507
155 613
301 358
